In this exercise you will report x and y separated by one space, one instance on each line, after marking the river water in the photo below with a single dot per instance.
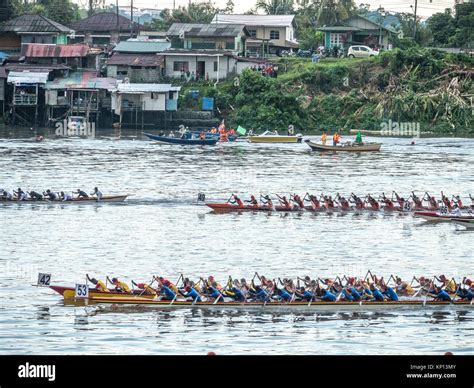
162 230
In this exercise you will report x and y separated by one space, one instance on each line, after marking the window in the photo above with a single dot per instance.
364 49
355 48
253 33
335 39
274 34
215 65
180 66
170 95
155 96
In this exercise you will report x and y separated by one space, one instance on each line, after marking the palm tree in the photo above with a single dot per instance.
276 7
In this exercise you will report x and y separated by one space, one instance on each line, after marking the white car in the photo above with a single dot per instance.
361 52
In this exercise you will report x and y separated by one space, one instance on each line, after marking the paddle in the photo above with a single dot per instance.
144 289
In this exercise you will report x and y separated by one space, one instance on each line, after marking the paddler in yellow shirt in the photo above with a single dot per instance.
449 285
404 288
99 285
120 286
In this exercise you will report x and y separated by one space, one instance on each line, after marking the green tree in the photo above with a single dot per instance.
276 7
442 27
464 20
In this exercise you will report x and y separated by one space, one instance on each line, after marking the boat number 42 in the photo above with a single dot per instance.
44 279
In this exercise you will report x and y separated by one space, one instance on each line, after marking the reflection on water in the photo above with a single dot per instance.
161 230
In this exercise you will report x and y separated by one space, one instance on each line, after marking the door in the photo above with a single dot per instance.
201 70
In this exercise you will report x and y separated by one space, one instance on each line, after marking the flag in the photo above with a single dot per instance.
241 130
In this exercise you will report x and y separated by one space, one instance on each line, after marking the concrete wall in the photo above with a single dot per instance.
226 66
154 101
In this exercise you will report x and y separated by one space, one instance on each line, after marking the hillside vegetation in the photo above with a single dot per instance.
415 85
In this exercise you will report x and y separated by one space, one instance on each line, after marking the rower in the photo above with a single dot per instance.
432 200
236 289
304 294
446 201
147 289
376 293
403 288
344 204
97 193
81 194
314 201
266 201
120 286
50 195
202 136
35 196
457 201
389 292
328 202
336 138
99 285
387 201
298 201
20 195
7 195
64 196
465 293
164 290
167 283
373 202
253 201
327 296
236 200
400 200
417 201
284 201
358 201
441 294
449 285
190 292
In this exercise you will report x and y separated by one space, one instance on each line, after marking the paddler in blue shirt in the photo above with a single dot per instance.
376 293
441 294
35 196
389 292
190 292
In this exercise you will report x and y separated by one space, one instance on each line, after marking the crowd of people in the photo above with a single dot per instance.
305 289
267 70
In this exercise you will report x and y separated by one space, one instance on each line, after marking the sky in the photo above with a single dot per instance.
425 7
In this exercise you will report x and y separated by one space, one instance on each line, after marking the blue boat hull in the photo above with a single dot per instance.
215 136
177 140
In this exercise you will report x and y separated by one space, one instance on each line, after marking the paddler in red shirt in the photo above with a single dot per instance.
236 200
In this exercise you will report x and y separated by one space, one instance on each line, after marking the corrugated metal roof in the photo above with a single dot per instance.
136 59
34 67
141 47
33 23
37 50
25 77
82 80
207 30
103 21
146 88
255 20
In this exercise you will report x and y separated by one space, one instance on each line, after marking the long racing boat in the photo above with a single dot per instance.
280 306
367 147
110 198
227 207
70 292
439 217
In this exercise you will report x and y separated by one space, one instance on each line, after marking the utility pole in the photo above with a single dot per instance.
380 22
131 18
414 25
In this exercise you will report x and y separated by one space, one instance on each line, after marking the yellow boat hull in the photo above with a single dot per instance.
274 139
